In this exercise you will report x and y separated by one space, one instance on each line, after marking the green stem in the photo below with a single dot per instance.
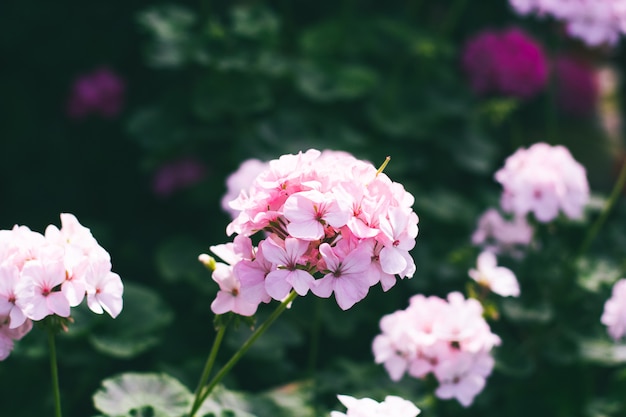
595 228
208 366
242 350
55 374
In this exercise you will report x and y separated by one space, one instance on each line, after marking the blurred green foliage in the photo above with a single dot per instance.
230 80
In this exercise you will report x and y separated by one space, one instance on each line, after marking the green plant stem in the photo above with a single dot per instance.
54 373
242 350
208 366
595 228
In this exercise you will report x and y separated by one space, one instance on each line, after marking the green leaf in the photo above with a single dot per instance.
132 394
254 22
603 352
170 27
330 82
156 128
597 273
518 312
177 260
137 328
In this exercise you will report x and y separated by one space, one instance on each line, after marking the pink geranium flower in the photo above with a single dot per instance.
614 313
331 224
498 279
392 406
449 339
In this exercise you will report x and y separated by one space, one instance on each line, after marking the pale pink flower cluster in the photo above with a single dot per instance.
499 279
544 180
47 274
331 223
392 406
593 21
239 180
614 314
448 338
500 235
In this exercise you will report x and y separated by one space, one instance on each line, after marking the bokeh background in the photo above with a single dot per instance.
200 86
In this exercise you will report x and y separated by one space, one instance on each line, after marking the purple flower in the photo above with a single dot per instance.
177 174
576 87
508 63
100 92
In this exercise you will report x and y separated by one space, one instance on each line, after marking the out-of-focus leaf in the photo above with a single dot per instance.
596 274
602 352
477 153
177 260
328 83
516 311
138 326
255 22
156 129
232 93
512 360
172 41
445 206
130 393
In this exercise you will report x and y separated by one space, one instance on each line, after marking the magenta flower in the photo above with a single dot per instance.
576 87
178 174
508 63
100 92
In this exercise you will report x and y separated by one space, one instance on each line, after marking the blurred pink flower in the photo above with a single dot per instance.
614 314
507 62
241 180
176 175
498 279
100 92
595 22
448 338
499 235
544 180
576 86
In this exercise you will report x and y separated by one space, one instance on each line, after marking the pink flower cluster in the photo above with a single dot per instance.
614 314
544 180
331 223
448 338
392 406
240 179
507 62
593 21
99 92
43 275
499 235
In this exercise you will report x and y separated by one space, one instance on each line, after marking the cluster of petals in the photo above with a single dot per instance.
239 180
497 234
448 338
507 62
614 314
543 180
331 224
48 274
595 22
392 406
99 92
498 279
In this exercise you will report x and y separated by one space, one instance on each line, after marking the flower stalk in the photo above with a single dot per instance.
54 373
204 393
